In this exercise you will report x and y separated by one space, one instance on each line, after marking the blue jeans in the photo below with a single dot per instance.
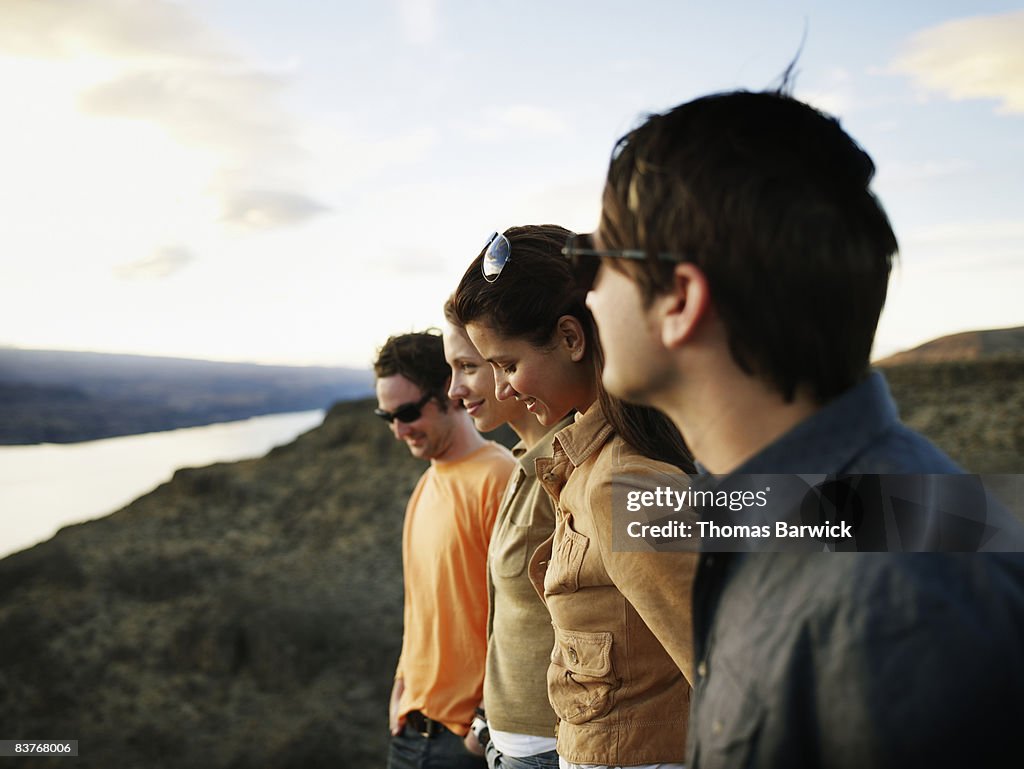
445 750
496 760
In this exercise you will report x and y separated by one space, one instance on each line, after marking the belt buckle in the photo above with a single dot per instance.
425 727
433 728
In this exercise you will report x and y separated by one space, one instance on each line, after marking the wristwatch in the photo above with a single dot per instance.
479 728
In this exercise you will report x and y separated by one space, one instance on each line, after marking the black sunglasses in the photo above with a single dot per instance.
586 260
407 412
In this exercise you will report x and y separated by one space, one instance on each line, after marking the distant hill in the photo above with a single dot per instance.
967 346
50 396
966 393
974 409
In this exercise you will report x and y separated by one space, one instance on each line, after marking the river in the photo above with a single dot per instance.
47 486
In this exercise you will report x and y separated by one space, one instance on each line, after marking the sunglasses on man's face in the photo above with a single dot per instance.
407 412
586 260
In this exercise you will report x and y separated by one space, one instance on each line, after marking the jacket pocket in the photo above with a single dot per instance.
581 682
569 547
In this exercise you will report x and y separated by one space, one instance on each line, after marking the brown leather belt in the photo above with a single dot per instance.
427 727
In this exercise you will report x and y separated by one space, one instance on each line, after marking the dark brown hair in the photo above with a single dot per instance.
769 198
419 357
536 288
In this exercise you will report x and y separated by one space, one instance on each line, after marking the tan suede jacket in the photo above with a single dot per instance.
623 637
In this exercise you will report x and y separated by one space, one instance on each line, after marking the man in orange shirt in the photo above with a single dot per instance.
448 521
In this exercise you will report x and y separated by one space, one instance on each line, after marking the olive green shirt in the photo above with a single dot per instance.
519 632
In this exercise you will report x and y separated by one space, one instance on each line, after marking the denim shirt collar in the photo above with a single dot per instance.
830 439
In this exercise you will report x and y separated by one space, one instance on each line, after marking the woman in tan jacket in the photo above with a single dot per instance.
622 655
517 730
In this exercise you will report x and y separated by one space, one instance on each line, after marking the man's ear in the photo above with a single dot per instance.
571 337
685 306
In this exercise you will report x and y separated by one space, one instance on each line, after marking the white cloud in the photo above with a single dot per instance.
265 209
164 261
160 66
231 111
153 30
973 58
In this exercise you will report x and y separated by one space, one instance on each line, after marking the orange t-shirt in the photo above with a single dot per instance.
447 529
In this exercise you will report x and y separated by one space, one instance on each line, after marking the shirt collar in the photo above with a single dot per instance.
527 457
586 435
830 439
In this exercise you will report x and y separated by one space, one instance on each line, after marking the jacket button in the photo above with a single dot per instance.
573 656
716 727
702 669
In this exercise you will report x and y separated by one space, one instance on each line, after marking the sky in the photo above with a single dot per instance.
291 182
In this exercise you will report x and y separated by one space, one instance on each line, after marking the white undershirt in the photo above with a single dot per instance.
563 764
521 745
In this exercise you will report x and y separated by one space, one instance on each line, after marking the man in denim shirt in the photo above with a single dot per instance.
739 270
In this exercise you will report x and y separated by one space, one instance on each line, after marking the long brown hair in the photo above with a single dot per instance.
536 288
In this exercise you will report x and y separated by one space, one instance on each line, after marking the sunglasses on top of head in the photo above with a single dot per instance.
497 250
586 260
407 412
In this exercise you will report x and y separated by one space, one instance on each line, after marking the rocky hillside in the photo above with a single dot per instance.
248 615
973 410
242 615
968 346
966 392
